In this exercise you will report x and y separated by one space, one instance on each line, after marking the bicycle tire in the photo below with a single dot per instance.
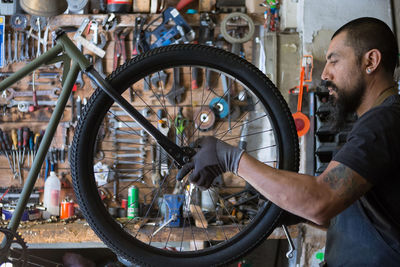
86 142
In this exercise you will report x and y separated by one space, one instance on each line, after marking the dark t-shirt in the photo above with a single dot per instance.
373 151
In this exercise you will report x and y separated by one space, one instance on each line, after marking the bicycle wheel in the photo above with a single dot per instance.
176 223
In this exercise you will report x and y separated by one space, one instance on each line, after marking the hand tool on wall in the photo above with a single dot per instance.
87 44
5 150
14 137
173 29
78 107
117 47
37 140
79 79
19 144
18 23
38 24
15 59
174 96
204 119
9 41
300 119
163 126
22 45
182 3
123 36
155 175
109 22
8 146
98 63
237 27
159 80
180 125
206 37
31 146
25 142
2 42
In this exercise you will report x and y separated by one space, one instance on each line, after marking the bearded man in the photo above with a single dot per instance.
358 194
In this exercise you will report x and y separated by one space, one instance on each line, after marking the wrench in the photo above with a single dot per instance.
41 83
15 46
130 155
45 38
27 48
10 93
98 63
292 248
155 175
9 58
140 141
122 124
39 51
163 126
23 106
115 113
129 162
21 52
79 80
133 132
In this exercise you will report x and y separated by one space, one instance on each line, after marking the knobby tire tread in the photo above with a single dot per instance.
289 164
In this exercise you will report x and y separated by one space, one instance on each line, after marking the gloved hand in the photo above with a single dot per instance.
213 158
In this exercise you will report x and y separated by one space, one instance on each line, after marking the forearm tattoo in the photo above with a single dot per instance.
342 178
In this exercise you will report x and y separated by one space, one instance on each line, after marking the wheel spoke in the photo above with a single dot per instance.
121 155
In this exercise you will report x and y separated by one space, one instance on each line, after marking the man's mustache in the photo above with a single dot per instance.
327 83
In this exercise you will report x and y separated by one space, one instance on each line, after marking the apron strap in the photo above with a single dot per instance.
388 92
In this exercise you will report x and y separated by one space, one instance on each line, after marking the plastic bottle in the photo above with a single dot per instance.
51 199
119 6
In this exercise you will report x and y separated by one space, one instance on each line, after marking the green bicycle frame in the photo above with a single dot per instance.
79 63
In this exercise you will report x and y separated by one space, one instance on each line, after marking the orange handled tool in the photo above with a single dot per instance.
300 119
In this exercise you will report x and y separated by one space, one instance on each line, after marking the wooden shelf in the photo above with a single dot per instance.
128 20
79 232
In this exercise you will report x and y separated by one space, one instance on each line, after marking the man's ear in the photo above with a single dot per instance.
372 59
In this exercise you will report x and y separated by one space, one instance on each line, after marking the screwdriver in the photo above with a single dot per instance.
19 140
36 142
4 149
25 141
6 139
30 155
14 138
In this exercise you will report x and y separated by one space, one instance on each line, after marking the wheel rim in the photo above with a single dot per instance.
252 113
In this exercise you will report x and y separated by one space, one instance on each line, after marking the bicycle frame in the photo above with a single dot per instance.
70 52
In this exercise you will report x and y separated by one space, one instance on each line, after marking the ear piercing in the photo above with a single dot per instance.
368 71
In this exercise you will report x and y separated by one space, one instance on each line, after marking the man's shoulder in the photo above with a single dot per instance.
386 114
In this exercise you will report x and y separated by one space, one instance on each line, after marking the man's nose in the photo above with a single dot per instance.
325 75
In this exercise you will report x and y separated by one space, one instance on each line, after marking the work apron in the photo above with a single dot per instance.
352 240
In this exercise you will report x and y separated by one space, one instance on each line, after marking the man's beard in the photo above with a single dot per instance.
344 103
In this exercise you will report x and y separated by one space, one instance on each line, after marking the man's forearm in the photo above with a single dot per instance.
292 191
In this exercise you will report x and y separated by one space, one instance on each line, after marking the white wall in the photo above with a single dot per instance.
330 15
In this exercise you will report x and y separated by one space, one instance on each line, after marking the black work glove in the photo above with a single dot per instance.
213 158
